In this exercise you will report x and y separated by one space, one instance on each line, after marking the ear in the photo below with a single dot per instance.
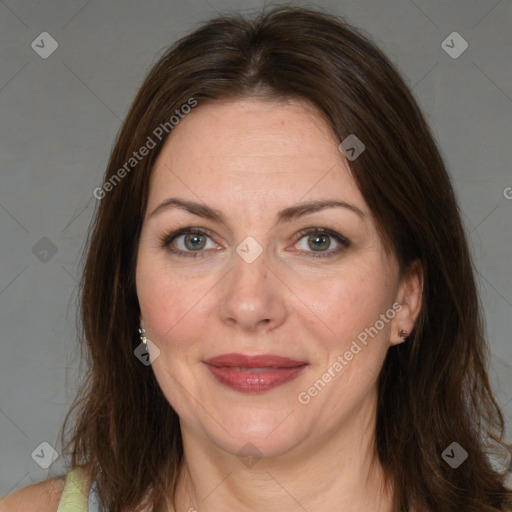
408 303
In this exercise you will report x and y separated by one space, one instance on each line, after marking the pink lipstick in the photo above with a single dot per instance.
254 373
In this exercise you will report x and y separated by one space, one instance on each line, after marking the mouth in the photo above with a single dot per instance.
254 374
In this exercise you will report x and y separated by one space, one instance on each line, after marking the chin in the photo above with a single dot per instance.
257 434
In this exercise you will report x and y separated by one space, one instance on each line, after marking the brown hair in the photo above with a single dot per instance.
434 390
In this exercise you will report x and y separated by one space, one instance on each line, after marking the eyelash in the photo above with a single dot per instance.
167 239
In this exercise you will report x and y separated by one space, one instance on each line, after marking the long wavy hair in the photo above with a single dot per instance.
433 390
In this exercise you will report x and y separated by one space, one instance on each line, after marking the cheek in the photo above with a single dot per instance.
163 301
172 304
347 308
343 304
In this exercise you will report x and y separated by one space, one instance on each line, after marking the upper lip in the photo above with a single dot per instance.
255 361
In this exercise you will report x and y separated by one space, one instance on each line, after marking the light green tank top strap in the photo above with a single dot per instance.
76 491
76 496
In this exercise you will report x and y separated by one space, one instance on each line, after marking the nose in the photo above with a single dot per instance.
254 298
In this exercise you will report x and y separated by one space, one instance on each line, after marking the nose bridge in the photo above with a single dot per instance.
251 295
250 272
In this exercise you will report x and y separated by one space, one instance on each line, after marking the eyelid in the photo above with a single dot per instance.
324 231
167 239
343 241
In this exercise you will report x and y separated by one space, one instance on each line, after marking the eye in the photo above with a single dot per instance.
318 240
188 242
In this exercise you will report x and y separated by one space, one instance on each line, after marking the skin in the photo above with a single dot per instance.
249 159
39 497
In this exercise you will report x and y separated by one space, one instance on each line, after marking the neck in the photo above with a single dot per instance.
339 471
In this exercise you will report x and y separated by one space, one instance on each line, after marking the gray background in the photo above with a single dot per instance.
59 117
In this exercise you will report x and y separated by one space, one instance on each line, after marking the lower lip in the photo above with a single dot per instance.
254 381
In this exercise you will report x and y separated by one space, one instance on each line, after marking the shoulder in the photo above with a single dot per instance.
41 497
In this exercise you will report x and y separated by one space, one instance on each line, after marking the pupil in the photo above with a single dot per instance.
195 241
317 238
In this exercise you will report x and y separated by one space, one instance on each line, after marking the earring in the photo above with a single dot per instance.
143 338
402 333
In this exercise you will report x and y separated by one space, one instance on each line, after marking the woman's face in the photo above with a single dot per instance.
260 278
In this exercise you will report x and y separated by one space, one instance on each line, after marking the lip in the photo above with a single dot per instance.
256 373
257 361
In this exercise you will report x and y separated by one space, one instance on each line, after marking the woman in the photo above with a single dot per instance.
278 299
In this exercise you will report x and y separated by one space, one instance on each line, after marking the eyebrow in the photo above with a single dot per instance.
285 215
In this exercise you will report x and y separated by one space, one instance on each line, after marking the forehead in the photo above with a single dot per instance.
253 149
